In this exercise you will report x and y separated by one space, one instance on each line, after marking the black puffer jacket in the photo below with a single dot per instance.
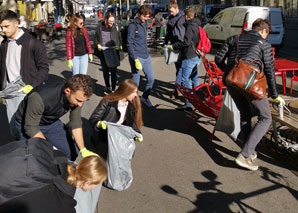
251 47
175 28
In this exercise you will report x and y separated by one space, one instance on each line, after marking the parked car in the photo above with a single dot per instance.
236 20
88 14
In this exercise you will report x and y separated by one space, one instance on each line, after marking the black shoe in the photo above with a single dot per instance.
107 91
185 107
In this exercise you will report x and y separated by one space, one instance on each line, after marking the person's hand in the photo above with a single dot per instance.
90 57
138 64
102 124
170 47
280 100
85 153
139 139
69 64
26 89
162 51
99 47
119 48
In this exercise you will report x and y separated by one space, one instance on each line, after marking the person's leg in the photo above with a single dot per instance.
105 71
194 75
178 65
148 71
75 65
134 71
264 120
83 64
113 77
56 135
245 112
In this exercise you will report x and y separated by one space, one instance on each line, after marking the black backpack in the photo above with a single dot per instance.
124 33
29 165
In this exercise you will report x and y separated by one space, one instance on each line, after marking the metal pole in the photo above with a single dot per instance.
120 4
127 9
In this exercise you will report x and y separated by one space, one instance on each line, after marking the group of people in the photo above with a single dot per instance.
34 106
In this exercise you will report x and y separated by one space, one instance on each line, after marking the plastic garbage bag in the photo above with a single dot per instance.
228 120
12 89
111 57
170 56
121 148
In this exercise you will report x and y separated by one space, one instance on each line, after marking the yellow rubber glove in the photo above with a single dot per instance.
138 64
2 101
26 89
69 64
280 100
99 47
90 57
139 139
102 124
119 48
85 153
170 47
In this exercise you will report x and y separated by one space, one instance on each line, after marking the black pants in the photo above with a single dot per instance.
106 73
251 136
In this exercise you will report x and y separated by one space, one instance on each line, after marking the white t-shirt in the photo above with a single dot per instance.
122 108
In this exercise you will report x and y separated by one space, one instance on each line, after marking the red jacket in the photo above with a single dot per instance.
70 44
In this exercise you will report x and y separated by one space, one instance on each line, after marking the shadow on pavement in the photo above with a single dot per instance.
212 199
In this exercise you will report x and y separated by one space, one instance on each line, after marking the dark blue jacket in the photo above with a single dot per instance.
137 43
175 28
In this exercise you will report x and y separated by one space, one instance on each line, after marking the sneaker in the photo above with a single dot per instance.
246 162
147 102
107 90
186 107
253 156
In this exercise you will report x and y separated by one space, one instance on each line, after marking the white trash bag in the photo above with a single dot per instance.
170 56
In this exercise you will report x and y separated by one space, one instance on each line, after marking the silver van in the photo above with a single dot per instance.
237 20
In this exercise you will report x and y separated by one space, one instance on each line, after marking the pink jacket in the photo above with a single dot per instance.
70 44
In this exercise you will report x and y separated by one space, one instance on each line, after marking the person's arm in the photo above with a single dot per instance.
41 62
33 114
187 42
88 45
222 54
167 37
78 137
131 40
98 114
68 43
75 123
269 69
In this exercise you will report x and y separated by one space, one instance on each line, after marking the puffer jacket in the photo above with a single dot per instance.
191 39
70 43
251 46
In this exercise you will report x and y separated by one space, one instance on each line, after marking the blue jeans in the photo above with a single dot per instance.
55 133
80 64
148 71
178 66
190 71
106 73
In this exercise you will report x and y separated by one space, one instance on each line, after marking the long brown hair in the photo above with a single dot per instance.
91 168
75 18
125 88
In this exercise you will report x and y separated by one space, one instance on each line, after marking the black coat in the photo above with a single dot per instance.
191 39
108 111
175 28
115 39
251 47
34 61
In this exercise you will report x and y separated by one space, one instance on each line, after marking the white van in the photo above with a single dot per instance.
237 20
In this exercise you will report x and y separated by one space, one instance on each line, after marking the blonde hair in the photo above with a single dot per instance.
91 168
125 88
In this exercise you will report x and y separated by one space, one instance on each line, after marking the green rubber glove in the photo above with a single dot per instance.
170 47
99 47
85 153
102 124
26 89
119 48
90 57
139 139
280 100
138 64
69 64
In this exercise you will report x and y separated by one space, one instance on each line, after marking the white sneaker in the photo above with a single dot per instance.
147 102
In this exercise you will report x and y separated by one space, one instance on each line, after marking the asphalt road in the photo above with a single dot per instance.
176 168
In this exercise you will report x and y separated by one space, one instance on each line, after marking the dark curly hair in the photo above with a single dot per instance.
80 82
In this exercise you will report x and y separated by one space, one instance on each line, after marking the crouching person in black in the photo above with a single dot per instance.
121 107
36 178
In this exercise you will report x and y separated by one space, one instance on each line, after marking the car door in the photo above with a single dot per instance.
213 28
225 24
